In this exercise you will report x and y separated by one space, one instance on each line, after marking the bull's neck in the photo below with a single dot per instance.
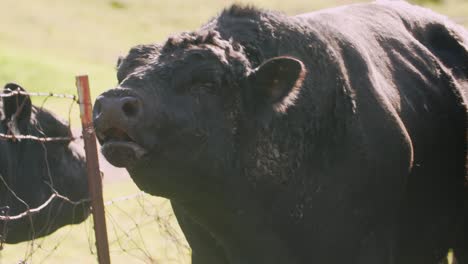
237 221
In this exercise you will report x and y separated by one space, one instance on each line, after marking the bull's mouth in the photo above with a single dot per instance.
119 148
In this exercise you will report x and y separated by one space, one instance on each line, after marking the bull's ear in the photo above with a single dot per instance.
275 83
17 107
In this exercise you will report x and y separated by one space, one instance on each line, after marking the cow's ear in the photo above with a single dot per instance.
119 62
17 107
275 83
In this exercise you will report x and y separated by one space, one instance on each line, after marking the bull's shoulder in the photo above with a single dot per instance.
443 38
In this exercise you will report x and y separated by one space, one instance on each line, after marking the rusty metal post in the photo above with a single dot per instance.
92 165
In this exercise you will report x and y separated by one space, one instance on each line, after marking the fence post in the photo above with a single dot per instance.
92 165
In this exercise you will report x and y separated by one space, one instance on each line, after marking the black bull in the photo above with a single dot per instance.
33 171
332 137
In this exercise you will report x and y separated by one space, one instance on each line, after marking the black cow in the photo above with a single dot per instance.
32 171
332 137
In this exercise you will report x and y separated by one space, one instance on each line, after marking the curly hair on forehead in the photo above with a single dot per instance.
138 56
187 39
231 51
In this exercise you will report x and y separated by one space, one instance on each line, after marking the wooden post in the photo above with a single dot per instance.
92 165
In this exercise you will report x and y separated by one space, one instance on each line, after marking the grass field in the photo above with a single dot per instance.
141 229
45 43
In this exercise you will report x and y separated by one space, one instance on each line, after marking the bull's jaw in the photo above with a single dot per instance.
245 234
122 153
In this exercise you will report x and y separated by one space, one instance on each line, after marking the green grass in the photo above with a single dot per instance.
40 73
45 43
141 230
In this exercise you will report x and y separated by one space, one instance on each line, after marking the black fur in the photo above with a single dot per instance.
360 157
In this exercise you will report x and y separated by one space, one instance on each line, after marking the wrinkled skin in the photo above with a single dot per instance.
330 137
34 171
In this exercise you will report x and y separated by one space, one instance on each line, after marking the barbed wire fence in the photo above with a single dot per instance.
141 228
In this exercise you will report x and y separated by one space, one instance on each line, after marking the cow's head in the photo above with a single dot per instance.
32 170
185 103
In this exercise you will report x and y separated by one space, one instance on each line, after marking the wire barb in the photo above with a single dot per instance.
40 139
10 93
38 209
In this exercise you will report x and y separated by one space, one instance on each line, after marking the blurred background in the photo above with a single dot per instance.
45 43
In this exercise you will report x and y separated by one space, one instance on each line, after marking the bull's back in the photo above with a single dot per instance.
413 65
407 59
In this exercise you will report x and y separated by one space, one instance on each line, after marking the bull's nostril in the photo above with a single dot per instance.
130 106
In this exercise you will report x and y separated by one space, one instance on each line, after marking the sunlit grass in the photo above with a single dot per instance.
450 257
141 229
37 72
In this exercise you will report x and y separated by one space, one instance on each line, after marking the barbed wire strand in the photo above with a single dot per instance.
10 93
42 206
40 139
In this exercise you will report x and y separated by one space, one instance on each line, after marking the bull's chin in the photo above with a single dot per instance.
122 153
